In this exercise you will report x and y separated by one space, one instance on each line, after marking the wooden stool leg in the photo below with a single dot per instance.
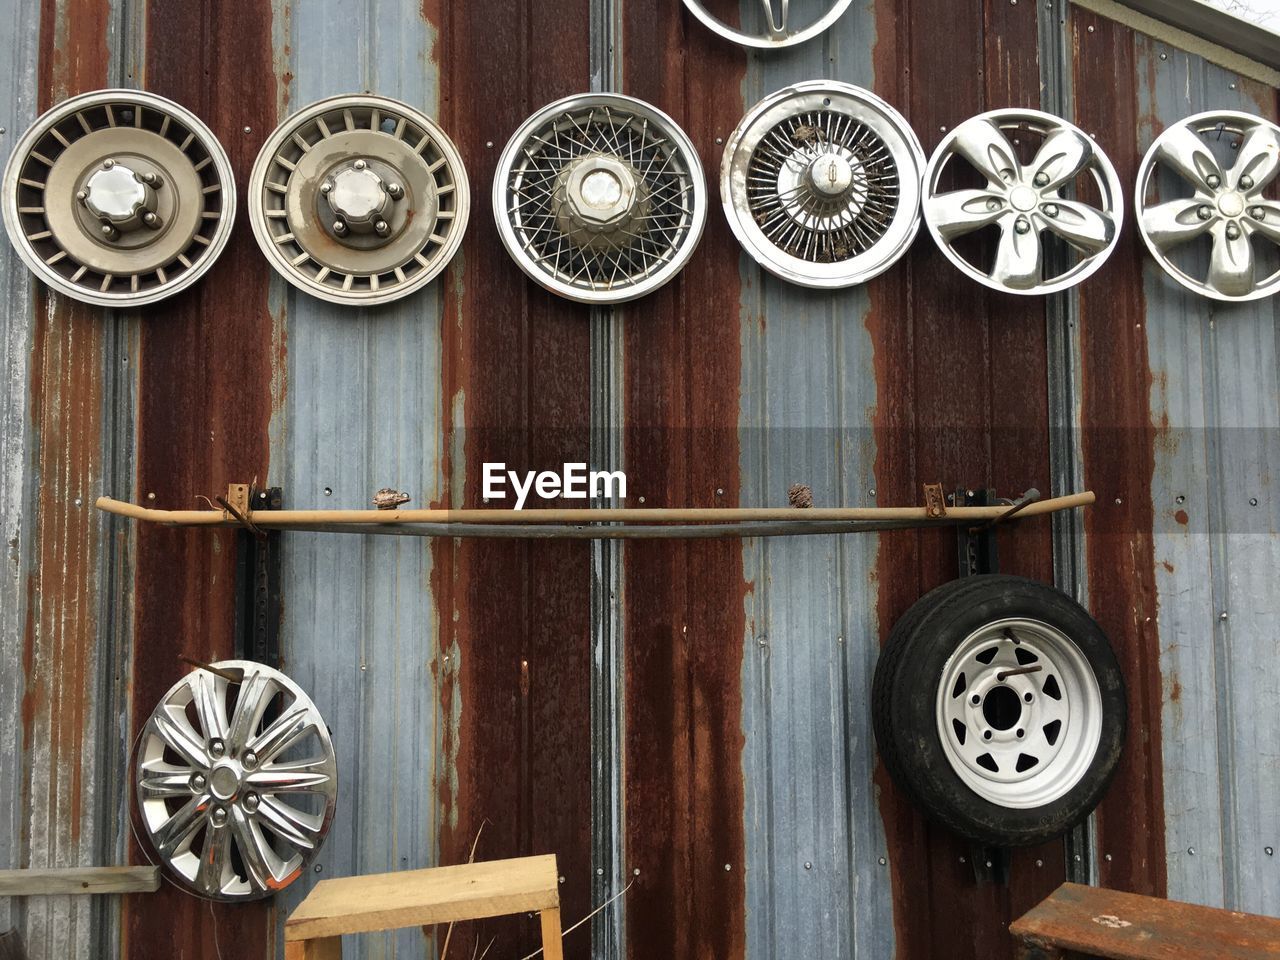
330 948
552 945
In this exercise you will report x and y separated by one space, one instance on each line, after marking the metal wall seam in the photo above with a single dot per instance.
19 96
1214 373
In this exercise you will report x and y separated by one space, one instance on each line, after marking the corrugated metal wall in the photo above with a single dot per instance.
729 771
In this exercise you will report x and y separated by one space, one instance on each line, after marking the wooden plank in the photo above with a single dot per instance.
34 883
389 901
1126 926
330 948
552 936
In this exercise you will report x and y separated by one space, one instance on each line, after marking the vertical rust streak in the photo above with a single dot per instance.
684 789
205 397
961 380
1119 454
516 389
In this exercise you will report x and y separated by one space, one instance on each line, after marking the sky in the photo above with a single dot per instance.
1265 12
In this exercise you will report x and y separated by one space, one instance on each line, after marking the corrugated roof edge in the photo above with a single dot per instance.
1218 36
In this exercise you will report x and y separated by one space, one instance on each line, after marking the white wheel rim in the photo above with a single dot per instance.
235 800
1024 740
1024 201
778 33
801 235
1226 203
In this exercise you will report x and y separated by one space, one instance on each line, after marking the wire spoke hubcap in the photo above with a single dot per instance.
820 183
236 781
1019 713
1226 207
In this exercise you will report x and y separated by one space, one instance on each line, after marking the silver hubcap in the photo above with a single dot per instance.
776 29
236 782
1225 160
1019 713
600 198
1027 202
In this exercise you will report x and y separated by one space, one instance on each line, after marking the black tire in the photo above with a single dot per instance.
906 704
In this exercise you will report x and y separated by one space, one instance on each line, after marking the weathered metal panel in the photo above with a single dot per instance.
1214 395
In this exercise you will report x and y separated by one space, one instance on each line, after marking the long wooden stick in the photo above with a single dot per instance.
284 519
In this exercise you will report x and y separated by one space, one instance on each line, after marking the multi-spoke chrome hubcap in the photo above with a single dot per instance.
1019 713
1226 206
1025 201
821 184
775 28
600 198
236 781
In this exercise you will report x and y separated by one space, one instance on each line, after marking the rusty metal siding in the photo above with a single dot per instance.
1214 396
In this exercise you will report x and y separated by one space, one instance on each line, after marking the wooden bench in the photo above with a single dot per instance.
1094 922
411 898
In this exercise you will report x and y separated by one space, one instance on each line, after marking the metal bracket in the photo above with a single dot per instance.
257 613
934 504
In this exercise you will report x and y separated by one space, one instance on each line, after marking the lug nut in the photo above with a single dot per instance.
986 734
250 759
340 228
993 205
1203 211
82 195
1246 182
1021 733
151 220
381 228
198 783
219 816
109 231
1027 697
1041 180
1050 210
151 180
975 699
1213 180
395 191
251 802
108 164
217 748
360 164
326 187
1233 232
1258 213
1022 226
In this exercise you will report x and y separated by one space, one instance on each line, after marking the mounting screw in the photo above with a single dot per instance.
1039 863
635 872
1203 211
1269 851
219 816
599 871
883 861
1106 857
395 191
808 865
1253 501
727 867
1233 232
381 228
1164 56
1091 28
340 227
248 129
1022 226
251 802
1222 615
1050 210
1246 182
1191 851
1041 180
1213 180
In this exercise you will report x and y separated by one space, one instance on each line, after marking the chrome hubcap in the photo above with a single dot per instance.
1019 713
236 781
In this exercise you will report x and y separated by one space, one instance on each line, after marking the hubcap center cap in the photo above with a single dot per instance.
600 192
1231 204
224 782
831 175
1023 199
116 194
358 196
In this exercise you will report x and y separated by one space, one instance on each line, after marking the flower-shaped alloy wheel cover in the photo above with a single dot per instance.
1226 203
1024 200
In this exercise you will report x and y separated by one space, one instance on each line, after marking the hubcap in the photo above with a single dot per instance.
1019 713
236 781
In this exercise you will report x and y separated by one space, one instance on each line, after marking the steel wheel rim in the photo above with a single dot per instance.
399 150
210 791
777 36
1020 203
1227 202
55 229
803 235
1057 711
657 179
